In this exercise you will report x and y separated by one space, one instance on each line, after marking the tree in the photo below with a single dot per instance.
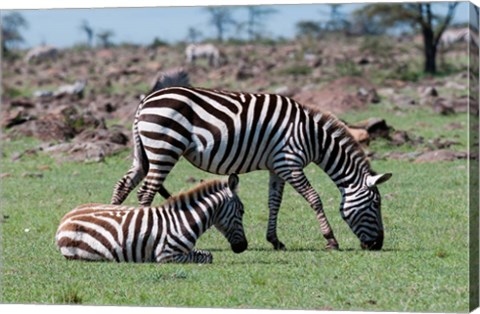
104 38
85 27
221 19
309 29
12 23
256 20
419 16
193 35
336 21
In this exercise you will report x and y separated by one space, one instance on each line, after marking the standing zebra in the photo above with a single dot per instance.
225 132
155 234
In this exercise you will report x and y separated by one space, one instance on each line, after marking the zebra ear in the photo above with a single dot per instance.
233 181
378 179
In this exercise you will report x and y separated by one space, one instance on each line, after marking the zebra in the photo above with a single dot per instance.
455 35
155 234
41 53
208 51
231 132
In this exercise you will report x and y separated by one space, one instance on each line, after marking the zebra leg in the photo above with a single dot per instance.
275 194
127 183
194 256
144 196
300 183
153 182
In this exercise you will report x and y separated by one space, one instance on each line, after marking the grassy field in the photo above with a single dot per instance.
423 266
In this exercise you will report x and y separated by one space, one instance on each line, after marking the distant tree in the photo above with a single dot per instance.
256 20
11 24
221 18
337 21
105 38
362 24
157 42
309 29
85 27
419 16
193 35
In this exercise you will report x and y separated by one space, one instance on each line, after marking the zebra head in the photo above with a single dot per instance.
229 219
361 209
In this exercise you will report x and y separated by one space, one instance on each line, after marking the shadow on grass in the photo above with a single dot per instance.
306 249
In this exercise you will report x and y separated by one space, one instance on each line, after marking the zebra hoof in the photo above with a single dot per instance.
332 246
279 246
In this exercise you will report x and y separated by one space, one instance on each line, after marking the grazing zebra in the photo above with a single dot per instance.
455 35
41 53
155 234
226 132
208 51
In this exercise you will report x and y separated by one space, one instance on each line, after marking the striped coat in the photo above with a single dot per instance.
154 234
227 132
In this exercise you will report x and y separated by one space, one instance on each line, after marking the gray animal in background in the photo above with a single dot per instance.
41 53
455 35
207 51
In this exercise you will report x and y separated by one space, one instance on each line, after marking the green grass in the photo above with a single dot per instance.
423 266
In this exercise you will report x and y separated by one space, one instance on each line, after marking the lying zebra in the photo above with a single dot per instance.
155 234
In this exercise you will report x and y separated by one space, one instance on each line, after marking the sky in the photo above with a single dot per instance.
61 27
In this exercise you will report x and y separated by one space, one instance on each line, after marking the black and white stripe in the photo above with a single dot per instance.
226 132
155 234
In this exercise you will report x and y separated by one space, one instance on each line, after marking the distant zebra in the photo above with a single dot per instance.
155 234
208 51
41 53
455 35
226 132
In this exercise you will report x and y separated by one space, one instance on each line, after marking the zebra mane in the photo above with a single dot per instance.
339 127
205 187
170 78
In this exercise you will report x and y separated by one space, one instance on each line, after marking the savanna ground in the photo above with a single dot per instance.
423 265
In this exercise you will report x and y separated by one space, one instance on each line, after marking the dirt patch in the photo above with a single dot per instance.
344 94
440 155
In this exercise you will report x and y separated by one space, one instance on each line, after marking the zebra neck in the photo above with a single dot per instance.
340 155
200 211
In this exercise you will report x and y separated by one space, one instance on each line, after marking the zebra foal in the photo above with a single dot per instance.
155 234
227 132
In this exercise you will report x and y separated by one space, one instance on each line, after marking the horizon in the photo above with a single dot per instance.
61 27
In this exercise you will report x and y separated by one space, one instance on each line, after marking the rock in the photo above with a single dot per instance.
368 95
75 89
399 138
443 106
95 135
363 61
440 155
244 72
23 103
428 91
376 127
84 151
410 156
42 94
360 135
285 91
14 117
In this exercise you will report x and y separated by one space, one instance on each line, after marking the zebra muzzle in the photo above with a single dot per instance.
239 247
374 245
